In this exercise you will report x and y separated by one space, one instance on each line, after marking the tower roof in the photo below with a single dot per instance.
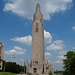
38 8
38 15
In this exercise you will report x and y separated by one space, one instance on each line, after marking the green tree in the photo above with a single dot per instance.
13 67
69 63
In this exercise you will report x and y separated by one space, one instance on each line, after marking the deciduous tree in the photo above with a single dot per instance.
69 63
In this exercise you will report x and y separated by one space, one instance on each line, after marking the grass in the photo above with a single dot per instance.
58 74
6 73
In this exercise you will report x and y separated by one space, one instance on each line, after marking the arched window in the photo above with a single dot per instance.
34 70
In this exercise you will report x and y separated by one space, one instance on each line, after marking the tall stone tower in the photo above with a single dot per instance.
1 55
37 37
38 65
37 40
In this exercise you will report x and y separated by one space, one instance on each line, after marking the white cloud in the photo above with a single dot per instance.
73 48
58 62
73 28
26 8
47 37
16 51
47 55
28 39
22 60
61 57
62 52
56 45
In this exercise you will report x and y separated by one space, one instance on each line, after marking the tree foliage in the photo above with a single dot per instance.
13 67
69 63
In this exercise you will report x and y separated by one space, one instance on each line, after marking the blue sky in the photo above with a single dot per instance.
16 29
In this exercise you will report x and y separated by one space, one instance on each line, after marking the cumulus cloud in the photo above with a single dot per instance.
61 55
58 62
56 45
28 39
73 28
47 55
62 52
73 48
26 8
47 37
16 51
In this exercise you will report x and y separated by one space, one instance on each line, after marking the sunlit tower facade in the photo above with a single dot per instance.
38 64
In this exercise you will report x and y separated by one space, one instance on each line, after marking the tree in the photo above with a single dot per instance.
13 67
69 63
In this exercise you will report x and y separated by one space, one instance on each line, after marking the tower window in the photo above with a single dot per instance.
40 20
36 27
34 70
0 66
36 62
47 68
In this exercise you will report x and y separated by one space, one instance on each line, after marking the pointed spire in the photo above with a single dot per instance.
38 15
38 8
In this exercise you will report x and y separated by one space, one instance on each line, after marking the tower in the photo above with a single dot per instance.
38 64
37 36
37 40
1 55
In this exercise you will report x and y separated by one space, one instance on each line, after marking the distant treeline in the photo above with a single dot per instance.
59 72
13 67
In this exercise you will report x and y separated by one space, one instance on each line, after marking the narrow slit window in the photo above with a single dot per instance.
36 27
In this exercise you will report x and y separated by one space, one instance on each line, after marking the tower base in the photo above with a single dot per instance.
39 68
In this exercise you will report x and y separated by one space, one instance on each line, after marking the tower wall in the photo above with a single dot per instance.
37 41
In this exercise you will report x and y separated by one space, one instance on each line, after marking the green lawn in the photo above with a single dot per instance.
58 74
6 73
